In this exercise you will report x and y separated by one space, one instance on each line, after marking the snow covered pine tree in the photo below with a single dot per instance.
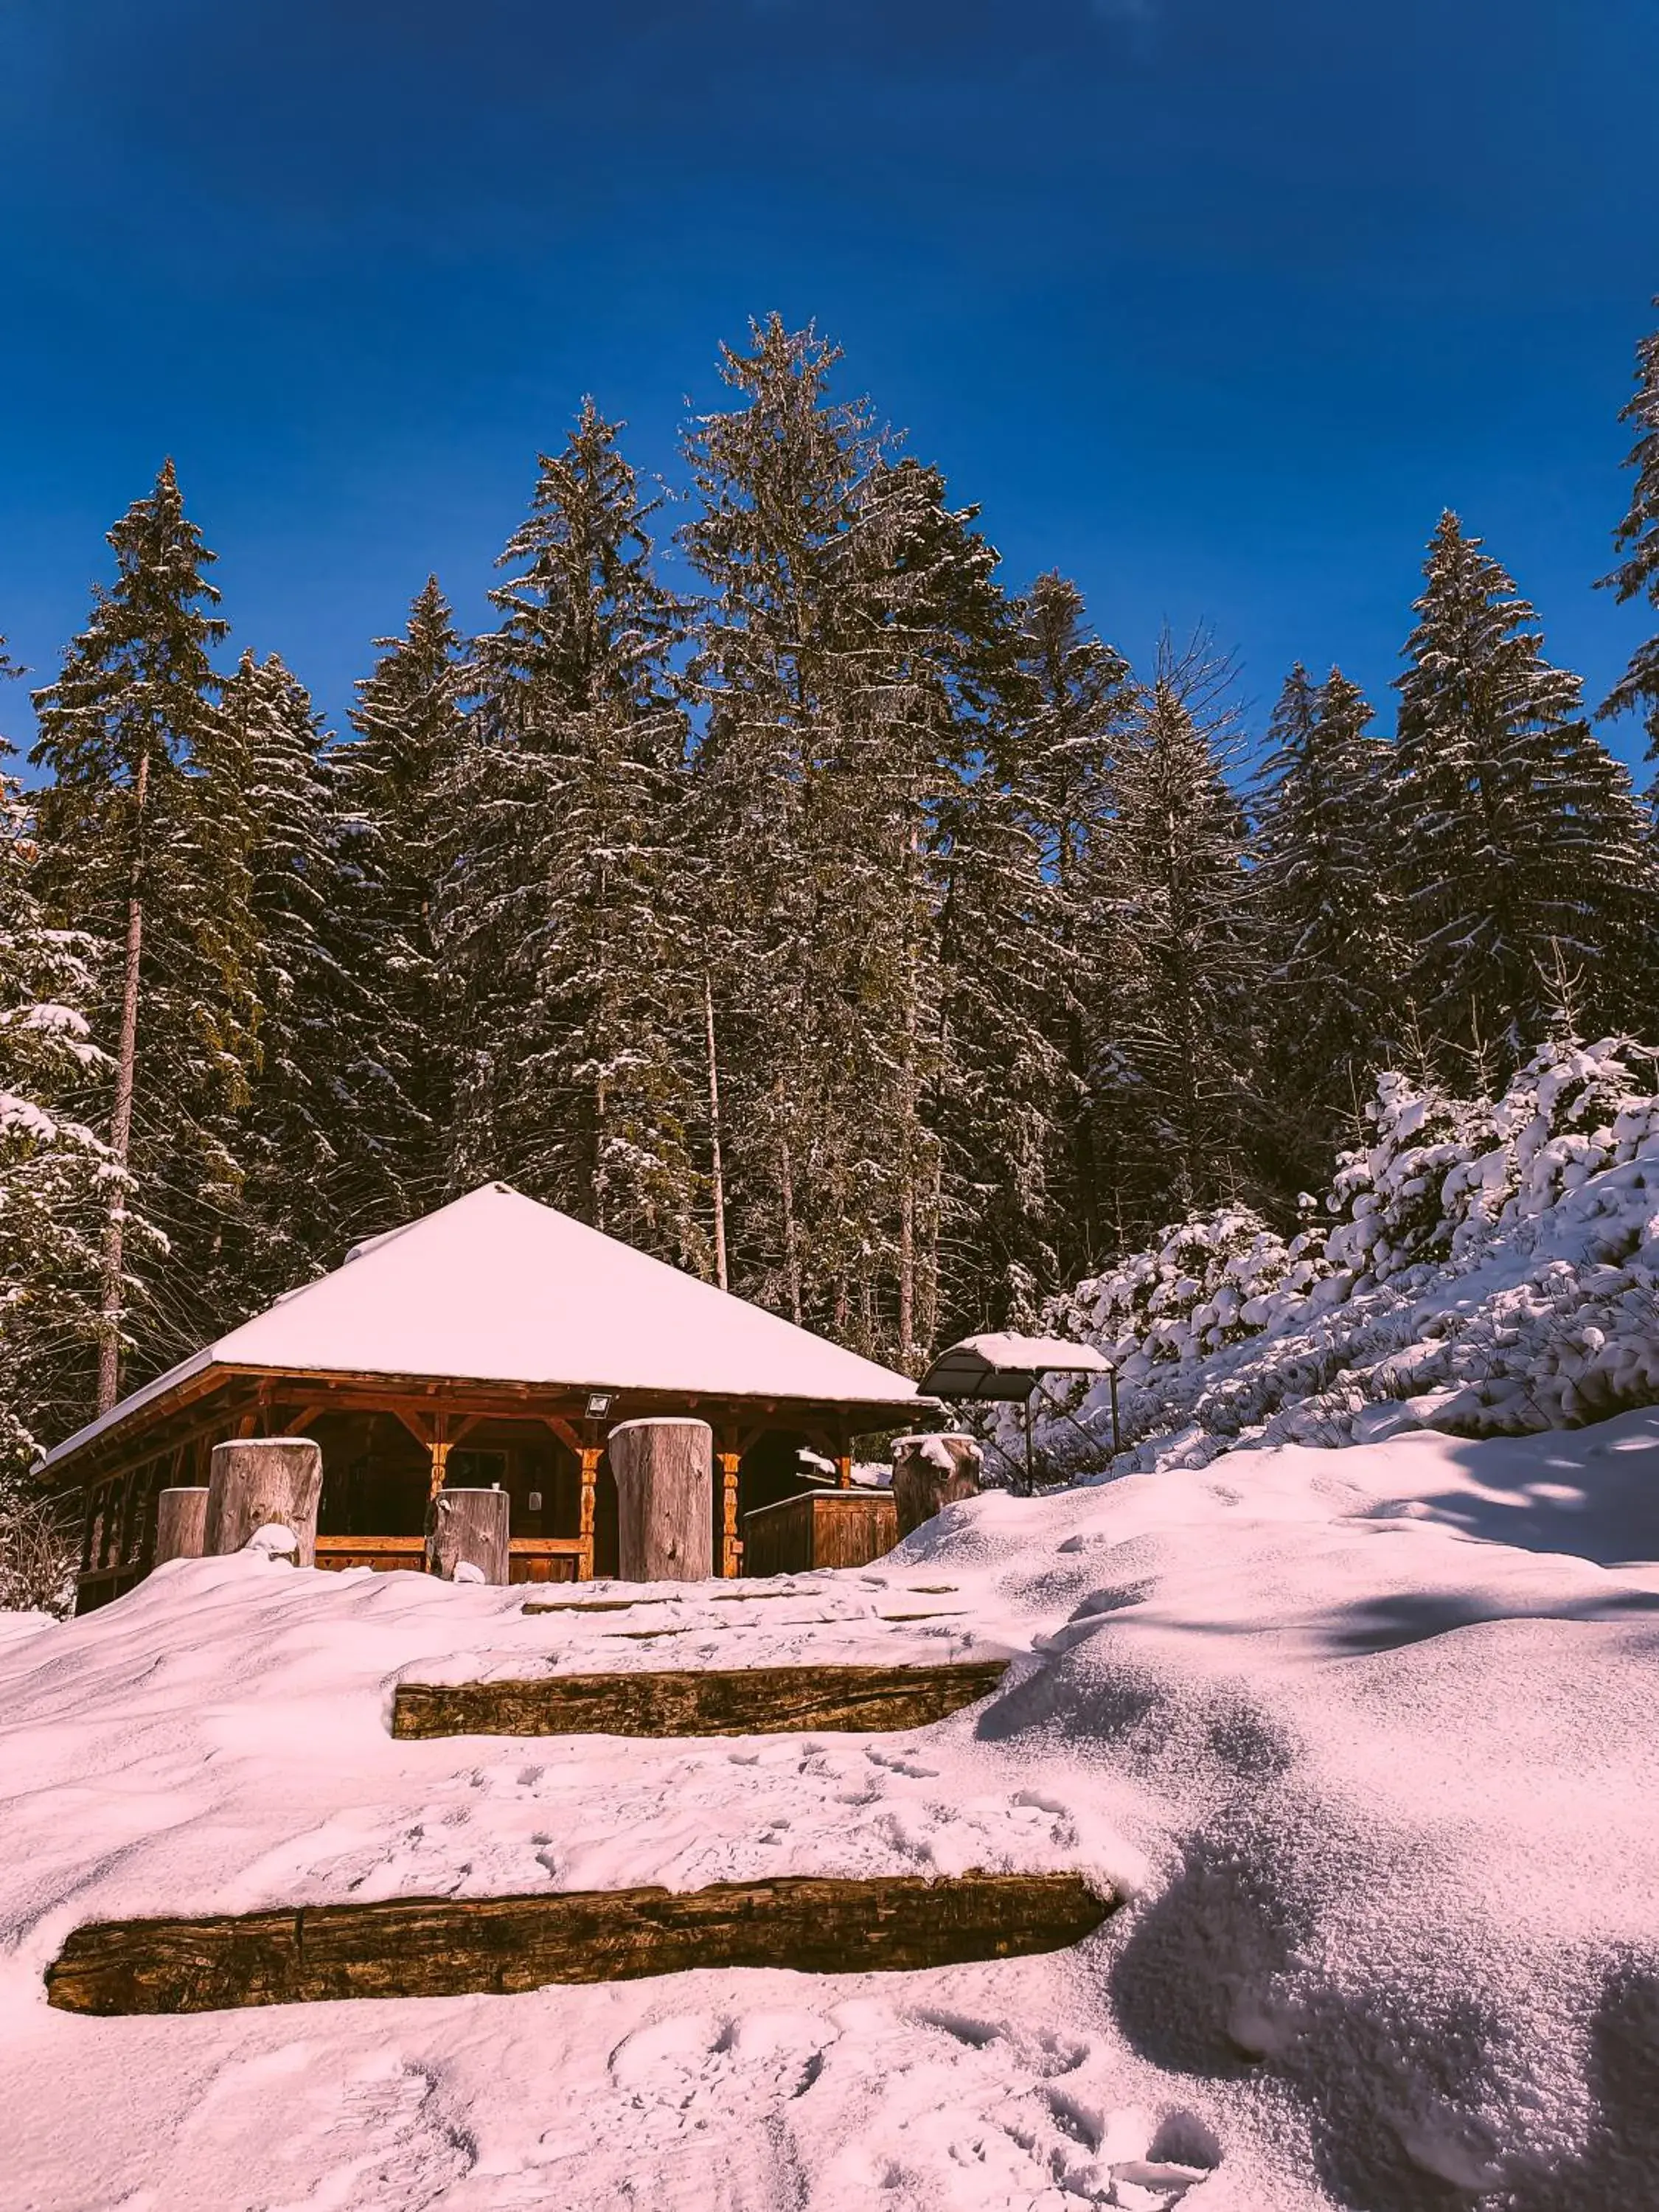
142 843
574 977
1636 540
1332 937
53 1207
1515 832
394 1078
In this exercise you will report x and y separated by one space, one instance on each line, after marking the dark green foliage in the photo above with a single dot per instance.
565 948
1186 1025
51 1202
1514 833
1331 938
392 1069
292 1130
1079 701
999 978
1636 540
144 812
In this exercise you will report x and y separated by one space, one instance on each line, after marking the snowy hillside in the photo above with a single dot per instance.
1371 1751
1479 1268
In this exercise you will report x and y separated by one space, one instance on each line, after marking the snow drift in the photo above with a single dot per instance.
1366 1735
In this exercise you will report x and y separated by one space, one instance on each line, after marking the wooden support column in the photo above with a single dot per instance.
592 1454
438 1447
730 1466
843 1463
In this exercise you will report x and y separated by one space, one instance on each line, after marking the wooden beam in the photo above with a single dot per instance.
702 1701
454 1946
572 1439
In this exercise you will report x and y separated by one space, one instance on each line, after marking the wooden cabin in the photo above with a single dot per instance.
494 1341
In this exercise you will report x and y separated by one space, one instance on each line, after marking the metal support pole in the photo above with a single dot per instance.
1117 1441
1031 1478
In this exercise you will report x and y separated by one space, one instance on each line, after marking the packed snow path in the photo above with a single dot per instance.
1377 1766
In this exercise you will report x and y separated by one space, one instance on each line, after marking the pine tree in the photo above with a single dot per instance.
1183 1079
271 742
849 658
778 478
52 1207
1514 830
1081 697
1001 1089
1320 880
142 841
1637 539
573 978
394 1074
952 1207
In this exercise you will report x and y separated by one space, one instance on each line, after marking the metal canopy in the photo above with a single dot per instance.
1006 1368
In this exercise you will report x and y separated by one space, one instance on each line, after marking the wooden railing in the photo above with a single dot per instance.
530 1558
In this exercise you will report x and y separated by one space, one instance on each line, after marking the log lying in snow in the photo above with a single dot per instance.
455 1946
733 1701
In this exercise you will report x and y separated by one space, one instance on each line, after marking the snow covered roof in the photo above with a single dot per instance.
1003 1367
496 1288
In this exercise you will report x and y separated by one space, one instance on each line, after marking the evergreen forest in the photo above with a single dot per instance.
777 885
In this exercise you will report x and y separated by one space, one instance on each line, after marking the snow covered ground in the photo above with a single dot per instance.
1369 1735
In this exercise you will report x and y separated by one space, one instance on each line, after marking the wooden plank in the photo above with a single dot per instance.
699 1701
455 1946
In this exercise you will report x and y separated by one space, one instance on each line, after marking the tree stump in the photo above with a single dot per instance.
261 1482
930 1472
665 1500
181 1524
468 1527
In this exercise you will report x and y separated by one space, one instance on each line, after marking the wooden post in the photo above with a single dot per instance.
930 1472
438 1447
468 1527
665 1499
844 1467
731 1545
181 1524
258 1482
591 1455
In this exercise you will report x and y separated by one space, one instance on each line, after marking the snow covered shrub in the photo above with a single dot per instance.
38 1556
1491 1266
1206 1282
1390 1197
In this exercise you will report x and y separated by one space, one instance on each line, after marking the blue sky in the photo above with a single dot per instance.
1212 305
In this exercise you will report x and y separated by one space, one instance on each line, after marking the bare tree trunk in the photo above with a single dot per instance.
120 1125
908 1161
717 1175
907 1253
791 1248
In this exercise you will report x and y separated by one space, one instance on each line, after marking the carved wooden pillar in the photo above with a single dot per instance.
592 1454
438 1447
731 1466
844 1464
